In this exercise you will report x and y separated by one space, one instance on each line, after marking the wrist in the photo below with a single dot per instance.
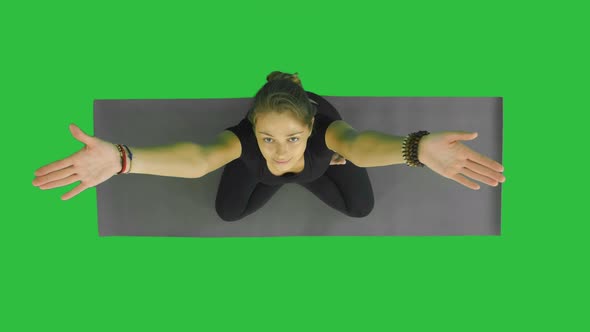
421 149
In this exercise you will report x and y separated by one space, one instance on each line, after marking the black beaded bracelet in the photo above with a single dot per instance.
410 148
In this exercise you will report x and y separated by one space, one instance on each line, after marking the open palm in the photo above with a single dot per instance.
95 163
443 153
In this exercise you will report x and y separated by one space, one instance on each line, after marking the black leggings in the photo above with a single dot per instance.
346 188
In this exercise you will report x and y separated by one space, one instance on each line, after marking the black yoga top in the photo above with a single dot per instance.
317 155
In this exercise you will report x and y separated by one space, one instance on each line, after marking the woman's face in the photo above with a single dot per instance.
281 137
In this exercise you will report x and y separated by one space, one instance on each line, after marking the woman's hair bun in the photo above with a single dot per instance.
279 75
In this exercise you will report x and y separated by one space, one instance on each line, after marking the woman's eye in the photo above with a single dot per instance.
295 139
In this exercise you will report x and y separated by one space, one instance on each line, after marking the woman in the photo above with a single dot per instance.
288 135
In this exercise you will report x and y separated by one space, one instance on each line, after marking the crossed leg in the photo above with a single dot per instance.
238 194
346 188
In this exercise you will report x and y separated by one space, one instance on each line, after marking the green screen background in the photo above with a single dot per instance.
58 274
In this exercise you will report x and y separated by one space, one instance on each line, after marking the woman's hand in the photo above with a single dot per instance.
95 163
443 153
337 159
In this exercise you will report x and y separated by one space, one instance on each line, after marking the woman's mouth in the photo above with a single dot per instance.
282 162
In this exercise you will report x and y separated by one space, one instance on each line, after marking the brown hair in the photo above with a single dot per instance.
283 92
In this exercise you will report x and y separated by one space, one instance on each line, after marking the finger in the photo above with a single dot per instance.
54 176
53 166
481 159
463 180
479 177
463 135
80 135
489 173
78 189
60 183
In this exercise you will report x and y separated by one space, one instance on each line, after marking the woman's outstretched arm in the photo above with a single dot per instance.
99 160
373 149
442 152
183 160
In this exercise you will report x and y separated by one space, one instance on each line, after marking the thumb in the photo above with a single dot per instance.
80 135
463 136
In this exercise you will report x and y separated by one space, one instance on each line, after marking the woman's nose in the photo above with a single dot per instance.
282 152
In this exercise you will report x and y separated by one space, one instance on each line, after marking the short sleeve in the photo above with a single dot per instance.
242 129
320 127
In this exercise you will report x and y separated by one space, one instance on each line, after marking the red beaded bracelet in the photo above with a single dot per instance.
123 158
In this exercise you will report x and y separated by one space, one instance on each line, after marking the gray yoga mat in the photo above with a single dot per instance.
408 200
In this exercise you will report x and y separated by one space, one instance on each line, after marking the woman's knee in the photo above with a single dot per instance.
229 216
226 212
363 209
